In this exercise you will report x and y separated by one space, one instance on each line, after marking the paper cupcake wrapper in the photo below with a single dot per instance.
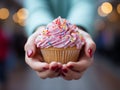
62 55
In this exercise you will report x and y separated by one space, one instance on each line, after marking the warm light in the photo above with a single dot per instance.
21 23
118 8
114 17
100 12
4 13
20 16
15 18
22 13
18 21
106 8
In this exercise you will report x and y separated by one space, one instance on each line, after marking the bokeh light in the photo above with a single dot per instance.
118 8
20 16
22 13
105 9
4 13
100 12
15 18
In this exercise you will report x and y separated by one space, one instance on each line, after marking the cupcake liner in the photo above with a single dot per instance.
62 55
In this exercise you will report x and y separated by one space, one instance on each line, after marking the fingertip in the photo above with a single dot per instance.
45 66
53 66
90 52
70 65
90 48
29 52
59 65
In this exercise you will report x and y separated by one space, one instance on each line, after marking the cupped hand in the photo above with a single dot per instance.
75 70
69 71
34 59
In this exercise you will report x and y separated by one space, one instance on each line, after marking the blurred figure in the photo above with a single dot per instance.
4 44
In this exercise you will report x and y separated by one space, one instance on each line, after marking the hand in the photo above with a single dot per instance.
34 59
69 71
75 70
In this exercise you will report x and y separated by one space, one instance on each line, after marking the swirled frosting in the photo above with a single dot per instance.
60 33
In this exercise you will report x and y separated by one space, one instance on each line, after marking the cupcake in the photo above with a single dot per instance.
60 41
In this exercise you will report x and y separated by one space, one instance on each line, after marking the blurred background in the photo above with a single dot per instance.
103 75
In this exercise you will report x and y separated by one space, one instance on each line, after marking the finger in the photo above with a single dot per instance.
30 47
90 47
81 65
44 74
64 73
51 73
35 64
54 69
72 75
69 74
47 74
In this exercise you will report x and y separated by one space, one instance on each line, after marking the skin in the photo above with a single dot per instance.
69 71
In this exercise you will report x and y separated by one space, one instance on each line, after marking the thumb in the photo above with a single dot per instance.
90 47
30 47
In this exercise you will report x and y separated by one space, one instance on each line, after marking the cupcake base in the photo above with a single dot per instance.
62 55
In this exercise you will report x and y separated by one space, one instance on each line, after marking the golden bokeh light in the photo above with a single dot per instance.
100 12
22 13
20 16
118 8
15 18
18 20
4 13
21 23
106 8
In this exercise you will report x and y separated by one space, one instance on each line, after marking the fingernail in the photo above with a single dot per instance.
70 67
29 53
54 68
45 68
65 70
90 52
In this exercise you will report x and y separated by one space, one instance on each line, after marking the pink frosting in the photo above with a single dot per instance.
60 34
